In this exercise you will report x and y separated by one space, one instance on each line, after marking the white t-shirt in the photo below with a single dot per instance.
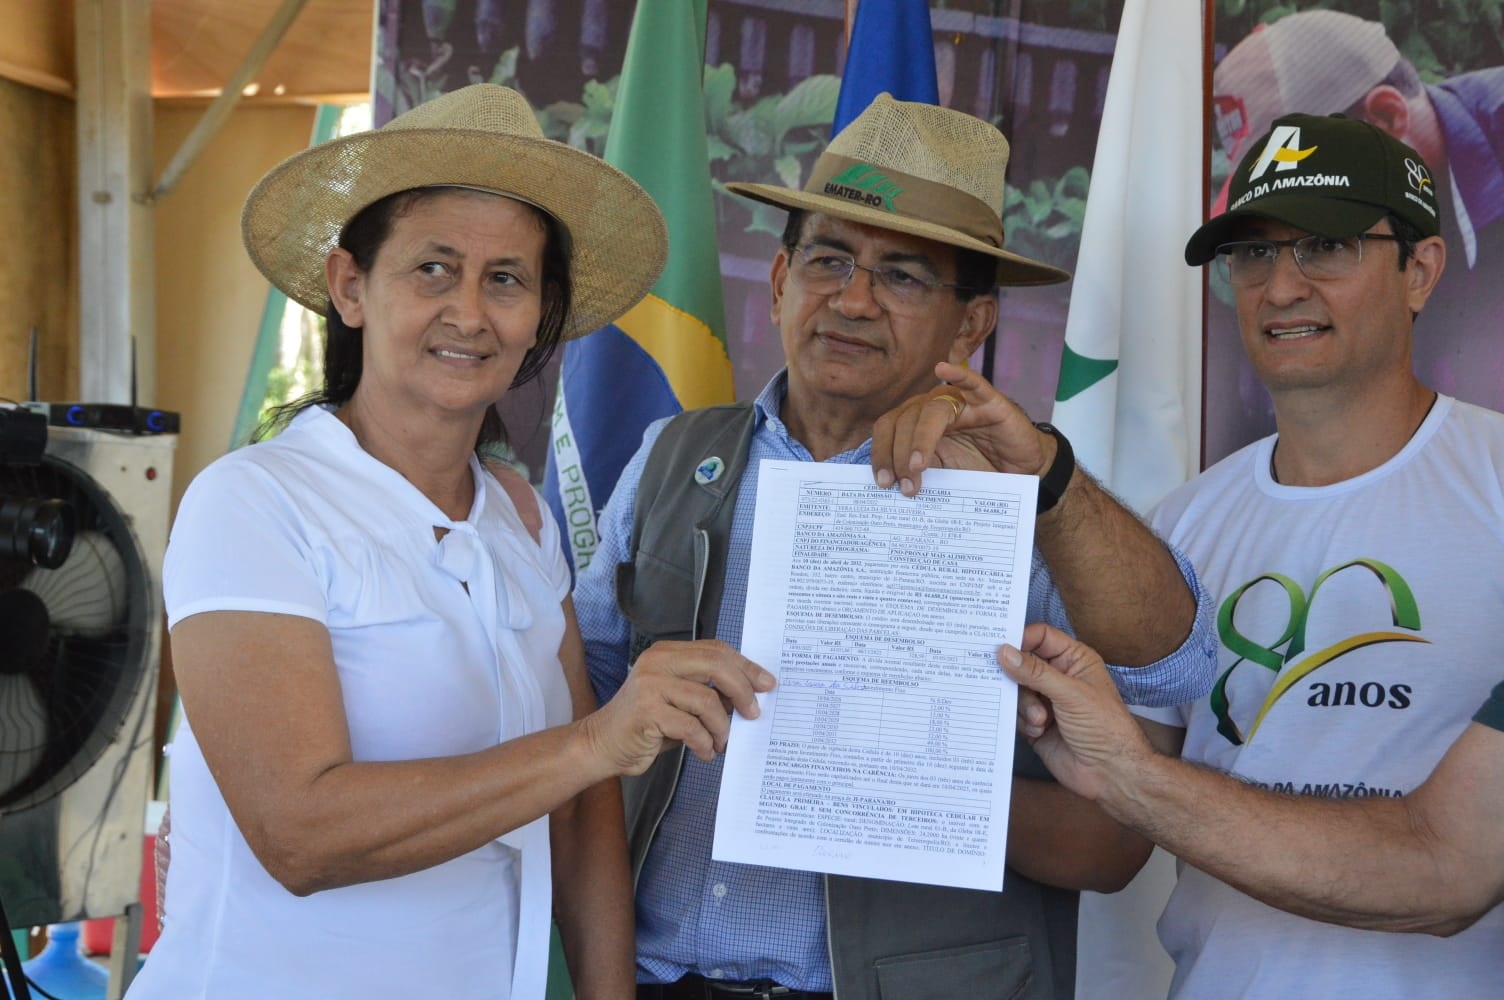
309 524
1360 628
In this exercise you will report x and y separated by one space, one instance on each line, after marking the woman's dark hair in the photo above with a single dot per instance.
363 236
976 273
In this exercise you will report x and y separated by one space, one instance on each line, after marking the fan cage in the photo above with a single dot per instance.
86 682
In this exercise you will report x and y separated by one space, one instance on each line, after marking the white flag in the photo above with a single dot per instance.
1129 396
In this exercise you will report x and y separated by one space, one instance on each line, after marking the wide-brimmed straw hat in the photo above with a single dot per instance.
483 136
918 169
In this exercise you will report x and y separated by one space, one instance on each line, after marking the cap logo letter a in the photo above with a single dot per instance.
1283 148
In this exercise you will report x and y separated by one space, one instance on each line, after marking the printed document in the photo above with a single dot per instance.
886 750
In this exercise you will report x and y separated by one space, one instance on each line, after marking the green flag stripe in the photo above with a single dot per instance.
1079 373
659 139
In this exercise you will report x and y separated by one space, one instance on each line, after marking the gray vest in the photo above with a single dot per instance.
888 940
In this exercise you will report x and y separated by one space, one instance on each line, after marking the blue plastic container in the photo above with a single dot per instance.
62 970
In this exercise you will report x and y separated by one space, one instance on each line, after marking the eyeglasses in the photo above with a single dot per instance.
825 271
1320 258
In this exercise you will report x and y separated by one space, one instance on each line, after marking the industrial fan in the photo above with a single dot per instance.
72 639
80 638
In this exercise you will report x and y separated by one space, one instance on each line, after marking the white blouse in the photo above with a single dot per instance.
442 648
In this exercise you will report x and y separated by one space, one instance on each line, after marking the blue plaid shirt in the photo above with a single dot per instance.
741 922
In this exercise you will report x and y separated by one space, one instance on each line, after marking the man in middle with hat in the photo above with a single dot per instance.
889 263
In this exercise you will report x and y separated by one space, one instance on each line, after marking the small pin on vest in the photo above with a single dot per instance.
709 470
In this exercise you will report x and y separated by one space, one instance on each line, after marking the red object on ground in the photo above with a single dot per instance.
99 935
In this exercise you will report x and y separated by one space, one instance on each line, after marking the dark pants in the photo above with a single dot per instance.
693 987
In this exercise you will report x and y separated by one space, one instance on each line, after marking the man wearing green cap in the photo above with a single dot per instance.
1354 556
891 256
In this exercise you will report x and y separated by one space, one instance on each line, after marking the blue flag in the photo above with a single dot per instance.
892 50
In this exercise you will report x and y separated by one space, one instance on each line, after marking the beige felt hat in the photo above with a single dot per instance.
918 169
483 136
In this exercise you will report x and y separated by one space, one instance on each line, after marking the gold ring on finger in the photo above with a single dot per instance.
957 404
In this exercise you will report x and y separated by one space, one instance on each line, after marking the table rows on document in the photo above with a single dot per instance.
949 718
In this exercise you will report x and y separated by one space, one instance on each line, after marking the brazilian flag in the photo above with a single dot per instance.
668 353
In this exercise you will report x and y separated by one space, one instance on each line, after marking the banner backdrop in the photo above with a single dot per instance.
1036 68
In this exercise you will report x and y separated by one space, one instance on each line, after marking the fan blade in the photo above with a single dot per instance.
86 595
23 731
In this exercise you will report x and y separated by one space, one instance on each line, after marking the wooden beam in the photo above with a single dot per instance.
215 115
40 79
117 307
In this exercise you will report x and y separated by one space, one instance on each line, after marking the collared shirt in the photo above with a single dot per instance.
745 922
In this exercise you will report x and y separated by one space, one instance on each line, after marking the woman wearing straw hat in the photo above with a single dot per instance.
388 730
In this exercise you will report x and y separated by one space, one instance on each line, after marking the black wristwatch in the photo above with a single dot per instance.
1058 476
